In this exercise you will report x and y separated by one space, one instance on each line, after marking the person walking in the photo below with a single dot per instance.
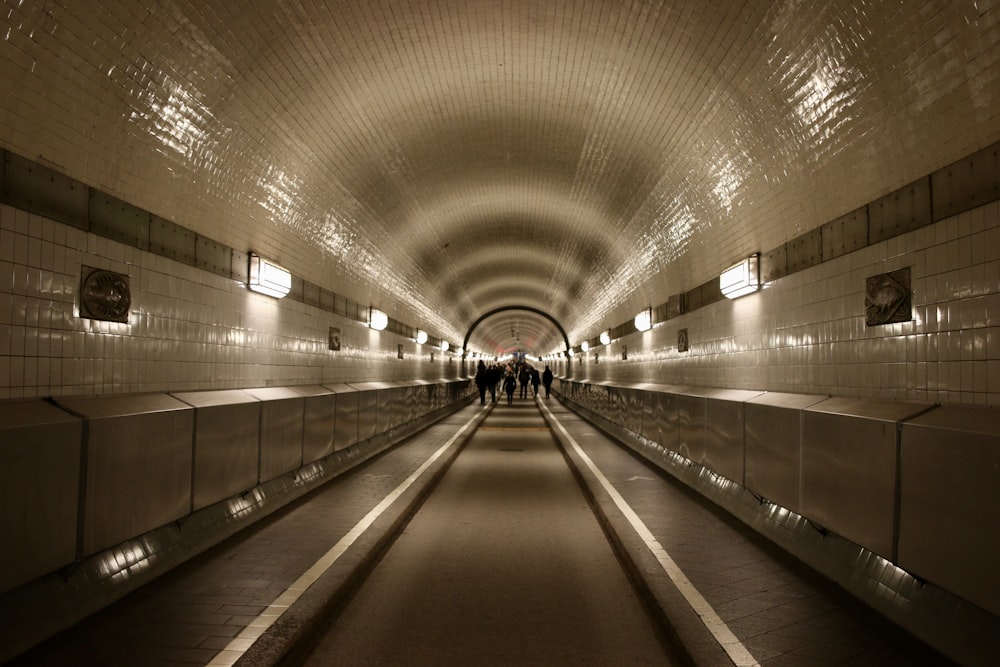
547 380
509 385
495 378
482 381
535 379
524 377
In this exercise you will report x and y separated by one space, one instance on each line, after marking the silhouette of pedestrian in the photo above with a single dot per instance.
482 380
547 380
509 385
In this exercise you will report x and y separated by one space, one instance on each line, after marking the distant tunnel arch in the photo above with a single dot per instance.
465 342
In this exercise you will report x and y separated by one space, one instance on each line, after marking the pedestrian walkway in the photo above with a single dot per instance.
764 605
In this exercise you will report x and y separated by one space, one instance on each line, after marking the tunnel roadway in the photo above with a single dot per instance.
505 564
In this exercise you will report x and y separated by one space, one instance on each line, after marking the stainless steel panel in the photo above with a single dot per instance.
139 462
390 408
227 444
298 289
310 295
724 419
805 250
691 420
369 406
213 257
773 431
616 408
901 211
38 189
319 426
845 234
412 392
40 460
949 505
281 429
966 184
773 264
171 240
119 220
849 454
346 428
240 267
649 414
633 401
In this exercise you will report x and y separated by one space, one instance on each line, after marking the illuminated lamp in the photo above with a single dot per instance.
741 279
584 346
444 346
605 338
421 337
644 320
268 278
378 320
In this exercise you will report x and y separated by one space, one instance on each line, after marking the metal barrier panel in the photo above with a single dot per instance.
691 418
774 446
724 421
390 408
632 404
318 425
281 415
849 453
226 444
949 505
367 414
667 423
138 465
346 428
39 489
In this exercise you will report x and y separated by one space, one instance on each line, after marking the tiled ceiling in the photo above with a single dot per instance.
441 160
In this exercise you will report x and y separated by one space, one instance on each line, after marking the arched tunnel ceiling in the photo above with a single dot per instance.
442 159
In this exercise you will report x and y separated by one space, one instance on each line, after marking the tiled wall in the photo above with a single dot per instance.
189 329
806 332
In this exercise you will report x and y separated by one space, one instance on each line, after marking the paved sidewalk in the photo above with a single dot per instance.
781 612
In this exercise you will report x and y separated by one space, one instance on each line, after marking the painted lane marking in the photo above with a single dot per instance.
255 629
735 649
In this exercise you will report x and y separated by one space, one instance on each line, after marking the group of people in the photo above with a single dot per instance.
508 377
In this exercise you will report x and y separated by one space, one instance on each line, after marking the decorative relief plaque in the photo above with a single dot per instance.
334 339
682 340
104 295
888 298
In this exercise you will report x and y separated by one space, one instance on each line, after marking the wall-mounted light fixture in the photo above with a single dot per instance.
377 320
644 320
584 346
444 346
268 278
605 338
421 337
741 279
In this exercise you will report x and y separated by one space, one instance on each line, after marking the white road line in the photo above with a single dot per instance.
243 641
737 652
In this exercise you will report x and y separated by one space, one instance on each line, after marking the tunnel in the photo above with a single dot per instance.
250 252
